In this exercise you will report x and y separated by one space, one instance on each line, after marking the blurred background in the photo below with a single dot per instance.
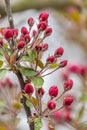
68 18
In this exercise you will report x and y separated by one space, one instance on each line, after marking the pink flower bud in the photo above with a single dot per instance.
24 30
63 63
34 33
51 104
53 91
58 115
67 116
1 42
15 31
74 68
68 100
41 91
29 88
42 26
38 47
27 38
21 44
48 32
43 16
45 46
68 85
51 59
83 70
8 33
31 21
8 82
59 52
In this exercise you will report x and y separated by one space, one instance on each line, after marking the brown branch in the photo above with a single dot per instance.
9 13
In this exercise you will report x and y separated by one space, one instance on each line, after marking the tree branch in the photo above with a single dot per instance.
9 13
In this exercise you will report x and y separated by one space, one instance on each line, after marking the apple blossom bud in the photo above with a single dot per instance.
38 47
1 42
8 82
34 33
24 30
15 31
42 26
31 21
63 63
45 46
51 59
41 91
21 44
53 91
59 52
28 88
51 104
43 16
68 85
27 38
48 32
74 68
8 33
68 100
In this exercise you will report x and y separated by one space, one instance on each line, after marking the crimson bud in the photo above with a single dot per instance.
27 38
29 88
43 16
24 30
51 104
42 26
68 100
51 59
31 21
21 44
63 63
8 33
68 85
53 91
41 91
48 32
59 52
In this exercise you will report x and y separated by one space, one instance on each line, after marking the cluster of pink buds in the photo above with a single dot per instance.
78 69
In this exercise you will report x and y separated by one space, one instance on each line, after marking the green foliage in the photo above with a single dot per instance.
37 81
27 71
80 113
53 66
2 104
28 104
40 64
37 123
32 54
1 63
3 72
83 98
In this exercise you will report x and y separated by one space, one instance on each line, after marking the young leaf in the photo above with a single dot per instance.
32 54
38 82
2 104
37 124
1 63
27 71
28 104
34 100
53 66
2 72
40 64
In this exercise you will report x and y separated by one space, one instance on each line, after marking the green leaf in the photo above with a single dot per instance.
26 58
2 72
2 104
51 126
1 63
38 82
40 64
80 113
32 54
37 123
83 98
53 66
28 104
27 71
